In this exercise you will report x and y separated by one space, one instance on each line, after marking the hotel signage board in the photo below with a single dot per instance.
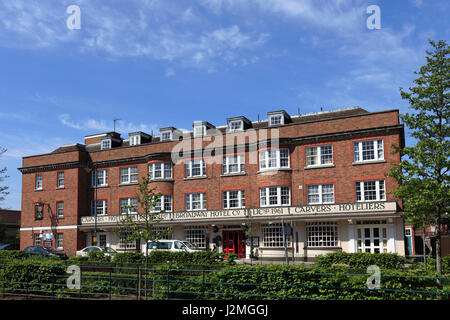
291 212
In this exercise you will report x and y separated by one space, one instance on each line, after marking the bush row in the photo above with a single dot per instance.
361 260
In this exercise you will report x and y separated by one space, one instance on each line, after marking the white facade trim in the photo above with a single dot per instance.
48 228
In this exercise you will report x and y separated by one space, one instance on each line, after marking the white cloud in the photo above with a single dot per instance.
153 29
104 125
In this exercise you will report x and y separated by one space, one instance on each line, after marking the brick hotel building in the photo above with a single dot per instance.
319 177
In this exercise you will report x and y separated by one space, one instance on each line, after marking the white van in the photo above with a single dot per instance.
171 245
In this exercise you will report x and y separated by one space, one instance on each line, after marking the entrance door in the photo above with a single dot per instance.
372 239
233 241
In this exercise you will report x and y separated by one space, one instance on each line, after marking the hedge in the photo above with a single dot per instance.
39 277
298 282
360 261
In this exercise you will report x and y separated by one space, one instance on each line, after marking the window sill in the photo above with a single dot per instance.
96 187
195 178
273 170
60 218
368 162
41 189
162 180
320 167
128 184
59 188
233 174
322 248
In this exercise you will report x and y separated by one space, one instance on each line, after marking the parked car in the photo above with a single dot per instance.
44 252
9 246
171 245
85 251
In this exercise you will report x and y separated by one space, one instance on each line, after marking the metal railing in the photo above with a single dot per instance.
163 282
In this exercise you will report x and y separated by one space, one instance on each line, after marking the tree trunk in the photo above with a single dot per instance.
424 248
438 251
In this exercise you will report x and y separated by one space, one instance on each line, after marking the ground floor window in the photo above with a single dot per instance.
273 235
322 234
59 240
196 235
102 240
37 239
124 243
372 239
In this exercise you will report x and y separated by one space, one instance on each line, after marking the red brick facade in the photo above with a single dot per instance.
78 161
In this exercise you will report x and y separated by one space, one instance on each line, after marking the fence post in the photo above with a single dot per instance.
138 284
168 284
203 285
110 282
81 282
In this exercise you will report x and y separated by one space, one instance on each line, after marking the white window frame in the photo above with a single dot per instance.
37 239
322 234
59 240
99 175
226 199
265 196
267 157
276 116
196 235
272 235
128 175
227 163
58 209
38 181
320 193
362 190
130 202
362 238
165 167
378 150
103 207
106 144
123 245
196 132
163 136
59 179
232 125
189 165
319 156
167 201
135 140
189 201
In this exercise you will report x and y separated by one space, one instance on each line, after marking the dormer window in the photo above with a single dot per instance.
201 127
236 125
106 144
166 135
135 140
276 119
199 131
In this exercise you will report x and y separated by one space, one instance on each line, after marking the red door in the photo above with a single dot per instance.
233 241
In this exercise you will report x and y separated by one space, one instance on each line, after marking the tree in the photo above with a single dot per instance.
3 189
142 225
423 175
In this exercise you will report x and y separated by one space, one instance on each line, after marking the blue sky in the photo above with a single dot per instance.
164 63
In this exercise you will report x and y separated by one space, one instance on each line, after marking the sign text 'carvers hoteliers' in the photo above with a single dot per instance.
314 209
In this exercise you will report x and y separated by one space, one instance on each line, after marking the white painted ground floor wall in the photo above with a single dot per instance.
309 239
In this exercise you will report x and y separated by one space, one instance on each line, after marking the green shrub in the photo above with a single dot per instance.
98 257
298 282
360 261
445 261
6 255
204 258
33 276
128 258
